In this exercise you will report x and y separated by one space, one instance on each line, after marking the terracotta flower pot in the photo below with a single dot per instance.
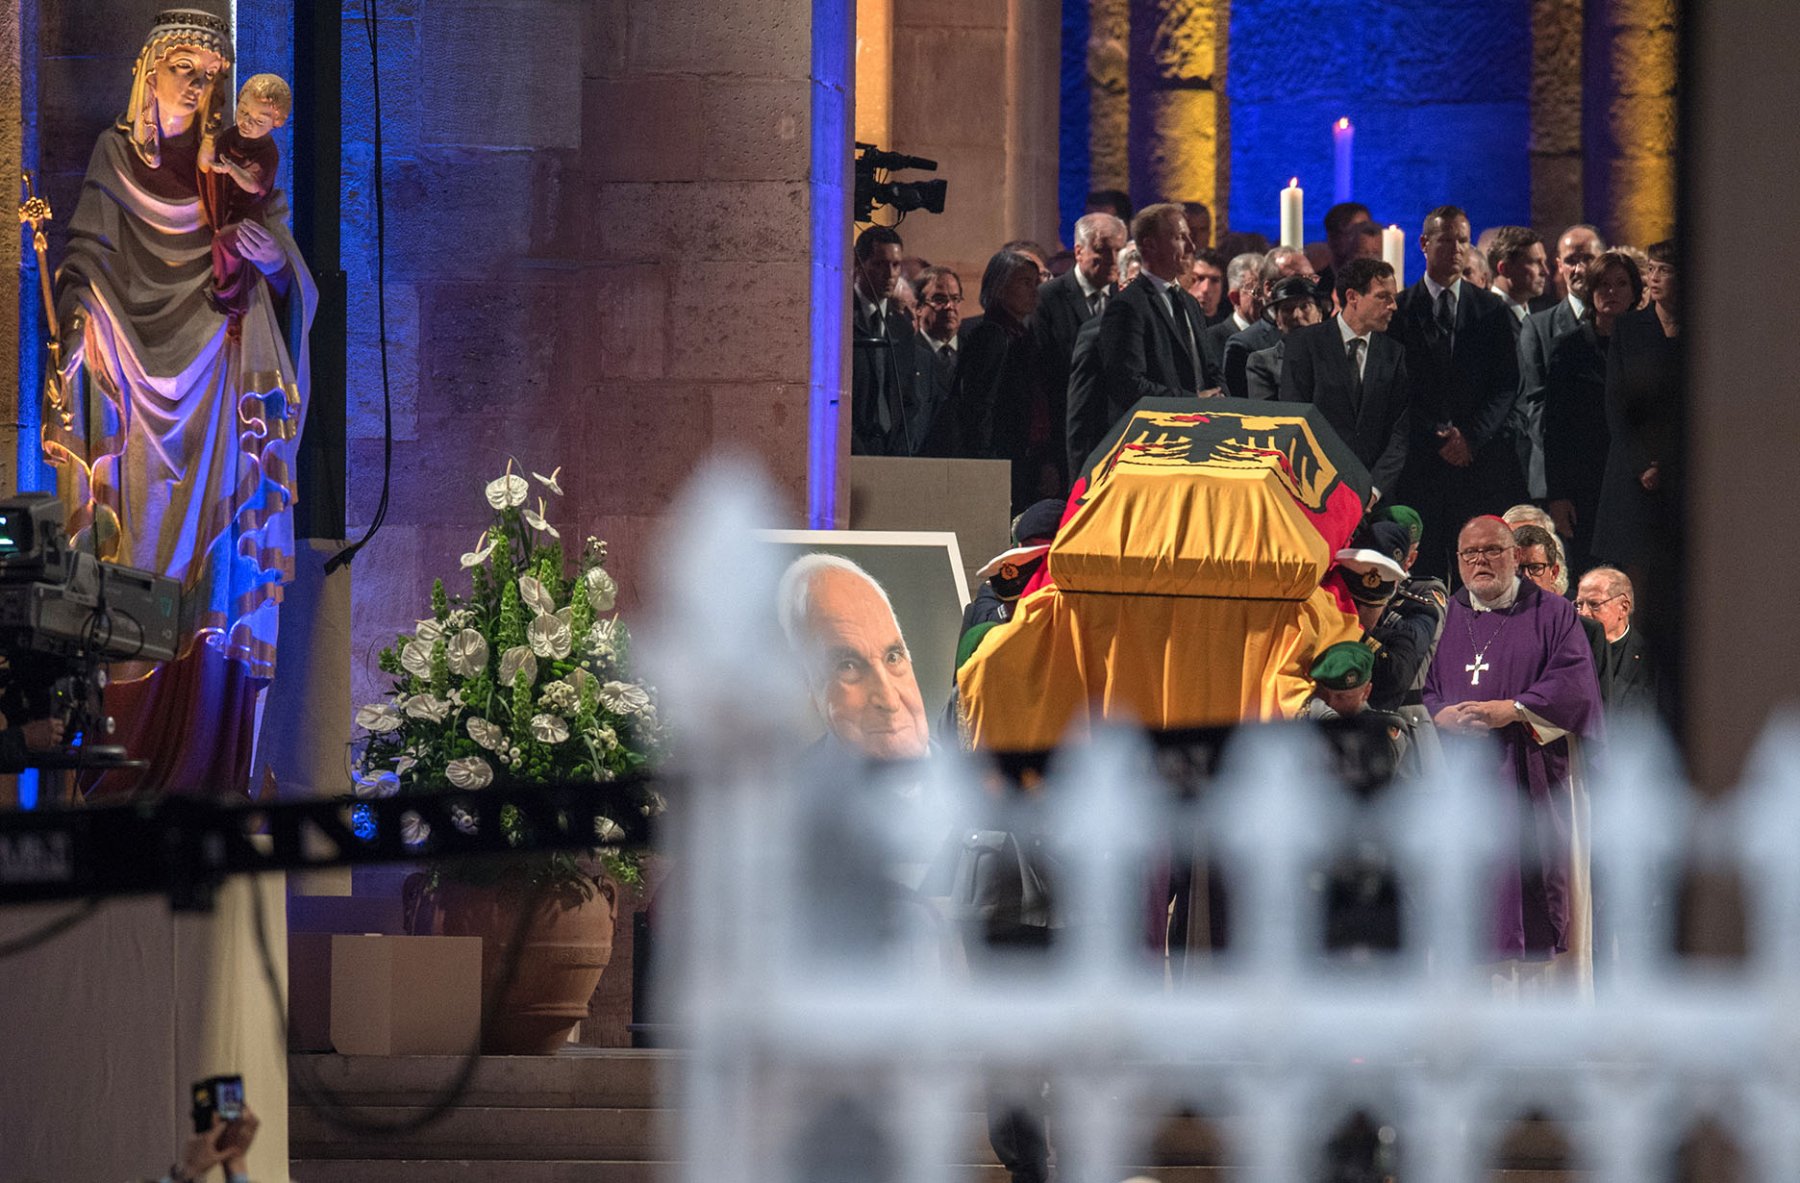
565 946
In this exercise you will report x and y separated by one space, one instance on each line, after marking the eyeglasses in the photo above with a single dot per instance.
1596 605
1481 552
942 301
1533 570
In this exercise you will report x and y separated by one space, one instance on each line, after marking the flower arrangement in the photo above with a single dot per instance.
525 680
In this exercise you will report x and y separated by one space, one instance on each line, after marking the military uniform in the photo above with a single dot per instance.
1349 665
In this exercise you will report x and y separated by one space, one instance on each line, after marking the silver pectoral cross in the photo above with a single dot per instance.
1475 668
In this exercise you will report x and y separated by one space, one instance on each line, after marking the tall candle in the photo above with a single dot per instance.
1293 214
1393 252
1343 140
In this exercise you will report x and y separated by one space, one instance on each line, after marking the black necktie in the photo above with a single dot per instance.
1446 315
1356 349
1183 330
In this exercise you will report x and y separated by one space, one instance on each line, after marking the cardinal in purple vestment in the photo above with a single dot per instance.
1514 663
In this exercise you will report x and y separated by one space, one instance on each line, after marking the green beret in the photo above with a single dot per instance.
1345 666
1406 516
971 641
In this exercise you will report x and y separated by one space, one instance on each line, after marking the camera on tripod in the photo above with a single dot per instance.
904 196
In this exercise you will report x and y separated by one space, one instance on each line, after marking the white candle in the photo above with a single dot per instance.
1393 252
1293 214
1343 141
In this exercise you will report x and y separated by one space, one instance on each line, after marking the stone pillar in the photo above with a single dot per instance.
875 71
1628 117
1109 66
1556 164
976 87
16 300
1180 142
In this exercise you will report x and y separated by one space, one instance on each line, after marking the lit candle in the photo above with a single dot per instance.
1343 139
1293 214
1393 252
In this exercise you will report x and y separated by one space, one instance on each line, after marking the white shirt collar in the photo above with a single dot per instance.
1434 287
1577 305
1499 603
1162 285
1518 308
1087 289
1348 334
872 308
938 346
1237 318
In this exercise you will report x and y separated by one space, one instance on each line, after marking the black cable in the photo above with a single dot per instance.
50 930
343 557
341 1115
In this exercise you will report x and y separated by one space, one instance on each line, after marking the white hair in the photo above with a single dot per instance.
1617 582
793 595
1088 226
1242 270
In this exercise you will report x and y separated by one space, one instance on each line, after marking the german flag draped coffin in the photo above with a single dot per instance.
1190 583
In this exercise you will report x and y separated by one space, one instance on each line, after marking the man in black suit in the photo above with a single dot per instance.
1355 373
1072 299
888 381
1521 270
1539 331
1463 370
1278 263
1294 304
1243 292
940 318
1149 336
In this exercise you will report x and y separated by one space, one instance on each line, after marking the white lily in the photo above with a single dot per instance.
508 491
467 653
487 734
415 658
378 718
549 728
550 482
470 772
603 590
550 638
535 595
537 521
516 663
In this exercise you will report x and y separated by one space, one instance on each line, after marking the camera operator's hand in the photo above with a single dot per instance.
202 1153
236 1143
43 734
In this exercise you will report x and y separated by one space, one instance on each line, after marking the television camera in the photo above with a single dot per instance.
65 613
905 196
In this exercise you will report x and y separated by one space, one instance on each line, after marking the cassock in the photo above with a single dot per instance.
1533 652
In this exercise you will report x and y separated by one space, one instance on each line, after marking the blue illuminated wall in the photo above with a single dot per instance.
1438 91
1073 169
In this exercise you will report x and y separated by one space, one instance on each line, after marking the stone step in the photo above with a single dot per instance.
610 1078
589 1171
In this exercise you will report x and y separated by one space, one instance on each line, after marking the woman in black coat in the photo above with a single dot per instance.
1643 391
1577 437
1001 392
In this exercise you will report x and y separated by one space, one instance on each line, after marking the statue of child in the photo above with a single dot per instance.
240 166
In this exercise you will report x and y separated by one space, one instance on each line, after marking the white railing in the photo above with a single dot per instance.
791 992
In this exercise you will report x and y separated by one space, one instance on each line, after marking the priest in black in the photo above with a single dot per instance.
1462 369
1354 373
1627 675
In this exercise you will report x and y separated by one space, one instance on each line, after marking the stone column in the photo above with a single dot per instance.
1628 118
1180 142
976 85
21 298
1109 118
1556 164
875 71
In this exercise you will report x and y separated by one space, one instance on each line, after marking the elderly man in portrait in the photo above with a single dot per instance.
1627 676
1513 666
858 668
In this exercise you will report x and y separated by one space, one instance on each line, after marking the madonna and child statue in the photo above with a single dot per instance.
179 386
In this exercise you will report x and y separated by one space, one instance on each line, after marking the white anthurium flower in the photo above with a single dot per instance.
487 734
428 707
414 829
536 596
379 718
428 631
467 653
535 519
518 662
469 772
579 678
479 555
415 658
508 491
623 698
404 765
608 831
550 638
549 728
603 590
551 482
369 786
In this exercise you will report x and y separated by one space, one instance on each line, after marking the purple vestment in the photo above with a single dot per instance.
1535 653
